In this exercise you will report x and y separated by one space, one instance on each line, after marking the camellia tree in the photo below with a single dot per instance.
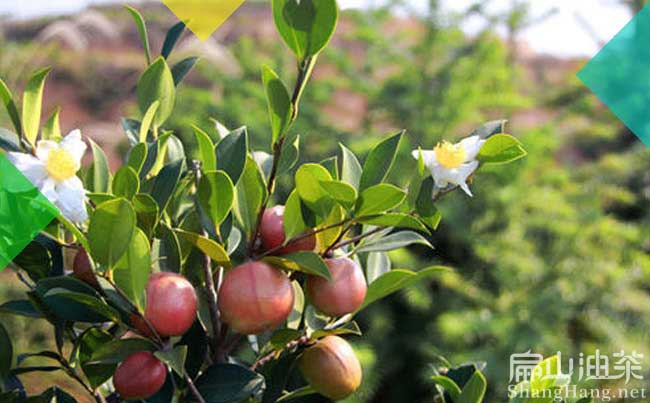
180 277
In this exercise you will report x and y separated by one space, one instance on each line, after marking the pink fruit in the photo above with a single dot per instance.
344 294
140 376
272 233
171 304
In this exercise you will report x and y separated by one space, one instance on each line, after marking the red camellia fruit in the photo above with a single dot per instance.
83 269
344 293
331 368
140 376
171 304
272 233
255 297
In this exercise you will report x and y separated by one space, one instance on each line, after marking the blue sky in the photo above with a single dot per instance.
560 35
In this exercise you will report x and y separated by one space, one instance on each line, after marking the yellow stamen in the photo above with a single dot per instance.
60 165
450 155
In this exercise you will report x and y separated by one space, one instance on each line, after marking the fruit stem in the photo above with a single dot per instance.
192 387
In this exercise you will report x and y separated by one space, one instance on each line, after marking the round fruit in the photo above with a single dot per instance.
83 269
140 376
171 304
272 233
255 297
344 293
331 368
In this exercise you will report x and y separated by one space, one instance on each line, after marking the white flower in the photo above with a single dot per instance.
54 172
452 163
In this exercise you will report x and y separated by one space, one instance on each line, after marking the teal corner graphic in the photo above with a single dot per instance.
620 75
24 212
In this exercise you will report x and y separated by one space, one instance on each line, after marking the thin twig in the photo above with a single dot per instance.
302 341
338 239
358 238
193 389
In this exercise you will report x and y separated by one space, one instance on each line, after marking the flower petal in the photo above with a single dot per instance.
472 145
30 166
72 200
43 148
428 156
48 188
74 145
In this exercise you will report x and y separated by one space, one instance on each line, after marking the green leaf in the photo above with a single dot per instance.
306 262
344 194
142 30
166 251
8 100
147 120
214 250
216 195
224 383
307 25
126 183
207 155
378 199
295 317
448 385
21 307
52 127
290 151
474 389
350 167
174 358
231 153
279 103
137 157
88 308
544 375
300 392
111 229
332 166
308 180
490 128
425 206
251 193
394 241
398 220
146 210
378 264
396 280
171 38
133 269
379 162
157 84
347 329
165 183
9 141
501 149
32 105
6 353
181 69
116 351
293 221
90 341
99 176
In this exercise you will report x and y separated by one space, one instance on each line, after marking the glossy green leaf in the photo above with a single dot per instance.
398 220
147 120
231 153
132 271
175 358
225 383
165 183
166 251
308 180
379 162
52 127
146 210
8 101
307 25
394 241
294 394
216 195
341 192
207 156
99 176
33 104
349 328
490 128
293 221
111 229
171 38
278 101
350 168
116 351
396 280
137 157
306 262
425 206
295 317
448 385
501 149
378 199
9 141
142 30
157 84
181 69
93 310
126 183
290 152
21 307
92 340
378 264
250 194
215 251
474 389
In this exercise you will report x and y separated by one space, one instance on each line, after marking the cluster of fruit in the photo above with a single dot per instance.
254 297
